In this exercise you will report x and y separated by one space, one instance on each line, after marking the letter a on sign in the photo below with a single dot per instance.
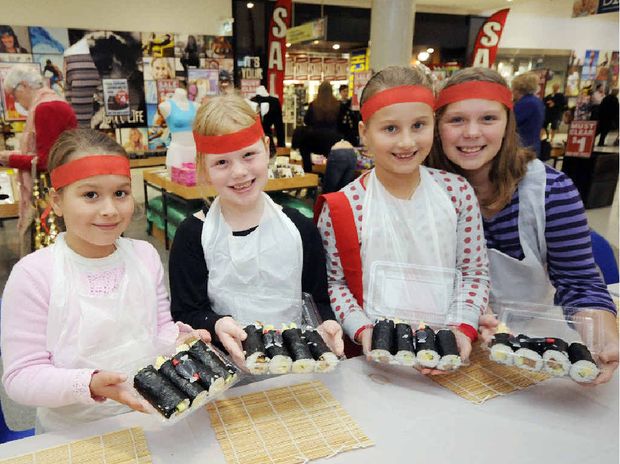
488 39
279 24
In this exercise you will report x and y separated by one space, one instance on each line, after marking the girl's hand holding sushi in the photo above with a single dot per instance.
111 385
605 328
331 332
201 334
464 344
231 334
487 326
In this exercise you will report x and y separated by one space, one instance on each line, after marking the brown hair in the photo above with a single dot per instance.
326 106
508 166
221 115
395 76
82 142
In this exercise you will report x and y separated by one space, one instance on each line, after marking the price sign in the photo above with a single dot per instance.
580 139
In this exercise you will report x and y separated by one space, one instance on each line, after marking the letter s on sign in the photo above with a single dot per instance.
279 28
490 38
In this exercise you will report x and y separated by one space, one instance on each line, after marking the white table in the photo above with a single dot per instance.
411 419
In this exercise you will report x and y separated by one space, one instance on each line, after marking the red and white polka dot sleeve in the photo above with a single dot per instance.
348 312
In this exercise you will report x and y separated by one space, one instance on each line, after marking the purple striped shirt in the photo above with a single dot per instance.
570 263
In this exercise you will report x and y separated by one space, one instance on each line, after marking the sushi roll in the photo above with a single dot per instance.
448 350
555 357
326 361
200 351
280 361
303 362
254 350
426 347
529 354
583 368
382 341
193 390
503 346
193 371
405 354
160 392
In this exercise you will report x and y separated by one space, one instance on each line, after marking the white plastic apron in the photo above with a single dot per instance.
256 277
408 251
115 332
525 280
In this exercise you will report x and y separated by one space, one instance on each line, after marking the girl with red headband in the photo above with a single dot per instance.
79 316
401 216
245 258
534 221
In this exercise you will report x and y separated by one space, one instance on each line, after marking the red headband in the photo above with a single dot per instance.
402 94
475 89
219 144
89 166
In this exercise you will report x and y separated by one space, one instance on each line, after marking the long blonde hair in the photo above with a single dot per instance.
508 166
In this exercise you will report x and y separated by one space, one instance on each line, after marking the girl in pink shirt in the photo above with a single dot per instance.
80 316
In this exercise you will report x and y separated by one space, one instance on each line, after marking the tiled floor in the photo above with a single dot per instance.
19 417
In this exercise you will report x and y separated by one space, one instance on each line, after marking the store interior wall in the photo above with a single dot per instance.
197 16
536 24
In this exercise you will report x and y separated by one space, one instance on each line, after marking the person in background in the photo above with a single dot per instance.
555 103
529 110
243 259
608 116
343 91
9 43
48 116
595 102
534 222
322 117
349 119
83 314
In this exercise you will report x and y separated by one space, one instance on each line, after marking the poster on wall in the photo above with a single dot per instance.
153 116
158 68
166 88
301 68
592 7
329 69
51 66
15 58
588 72
134 139
49 40
342 66
218 47
116 97
12 110
150 92
249 86
614 70
157 139
201 83
289 68
315 68
14 39
158 44
360 79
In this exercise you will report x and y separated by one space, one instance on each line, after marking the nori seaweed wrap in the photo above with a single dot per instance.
254 350
279 359
201 353
298 349
426 347
383 336
160 392
193 371
325 359
190 389
583 367
502 347
405 353
448 350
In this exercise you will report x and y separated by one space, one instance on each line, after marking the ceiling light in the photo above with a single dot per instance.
288 44
423 56
430 50
315 42
250 5
336 46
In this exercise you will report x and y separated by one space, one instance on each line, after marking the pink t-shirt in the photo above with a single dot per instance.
30 376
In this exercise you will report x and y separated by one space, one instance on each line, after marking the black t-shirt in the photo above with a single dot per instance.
189 274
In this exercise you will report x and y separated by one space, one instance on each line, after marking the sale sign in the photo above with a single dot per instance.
280 22
580 139
487 40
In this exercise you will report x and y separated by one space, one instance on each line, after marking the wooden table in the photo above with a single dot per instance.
158 179
410 419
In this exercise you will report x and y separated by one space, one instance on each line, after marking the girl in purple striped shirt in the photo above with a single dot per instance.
534 221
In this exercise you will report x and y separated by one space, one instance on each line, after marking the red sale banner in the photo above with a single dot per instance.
488 39
279 24
580 139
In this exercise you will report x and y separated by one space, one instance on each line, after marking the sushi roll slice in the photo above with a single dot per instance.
193 390
503 346
405 354
193 371
280 361
254 350
583 368
448 350
529 355
426 347
555 357
326 361
303 362
382 341
200 351
160 392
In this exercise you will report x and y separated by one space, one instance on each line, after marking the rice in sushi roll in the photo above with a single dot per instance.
303 362
448 350
529 355
326 361
382 343
254 350
555 357
405 354
583 368
426 347
279 360
503 346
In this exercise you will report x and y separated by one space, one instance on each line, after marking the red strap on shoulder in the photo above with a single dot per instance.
347 240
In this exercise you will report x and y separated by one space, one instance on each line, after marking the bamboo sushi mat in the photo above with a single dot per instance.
126 446
484 379
284 425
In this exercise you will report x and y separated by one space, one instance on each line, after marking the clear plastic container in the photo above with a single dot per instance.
540 338
215 390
